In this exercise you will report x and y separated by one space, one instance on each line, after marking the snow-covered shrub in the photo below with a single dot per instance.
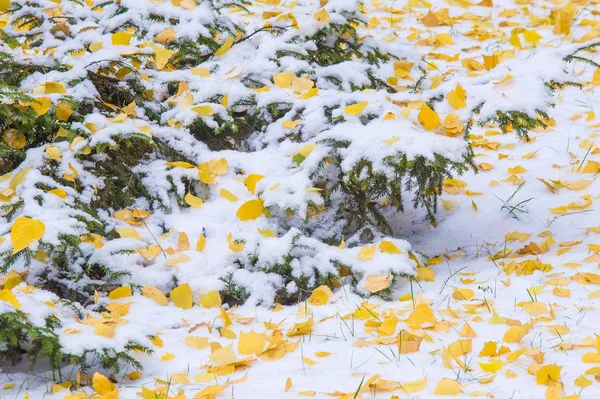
162 144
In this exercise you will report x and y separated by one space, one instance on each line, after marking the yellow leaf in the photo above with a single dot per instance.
288 384
63 111
444 39
250 210
4 5
102 385
251 343
301 328
223 356
579 185
205 110
532 37
7 296
196 342
41 105
234 246
448 387
192 200
201 243
320 296
211 299
200 71
582 382
355 109
24 232
129 232
121 292
182 296
548 374
421 316
302 85
283 79
161 56
596 77
457 97
428 118
266 233
14 139
514 335
492 367
251 180
166 36
290 124
53 153
321 16
490 61
311 93
377 283
121 38
155 294
54 88
414 386
211 391
463 294
228 195
389 247
366 252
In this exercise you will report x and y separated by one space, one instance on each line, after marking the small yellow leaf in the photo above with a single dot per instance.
121 292
205 110
492 367
321 16
53 153
250 210
54 88
211 299
320 296
182 296
6 295
366 252
428 118
196 342
201 243
121 38
448 387
377 283
128 232
463 294
225 47
223 356
251 343
389 247
192 200
210 391
41 105
102 385
355 109
579 185
266 233
251 180
166 36
155 294
24 232
283 79
228 195
548 374
420 316
414 386
234 246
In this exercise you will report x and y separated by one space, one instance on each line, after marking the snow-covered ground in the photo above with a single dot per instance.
506 304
